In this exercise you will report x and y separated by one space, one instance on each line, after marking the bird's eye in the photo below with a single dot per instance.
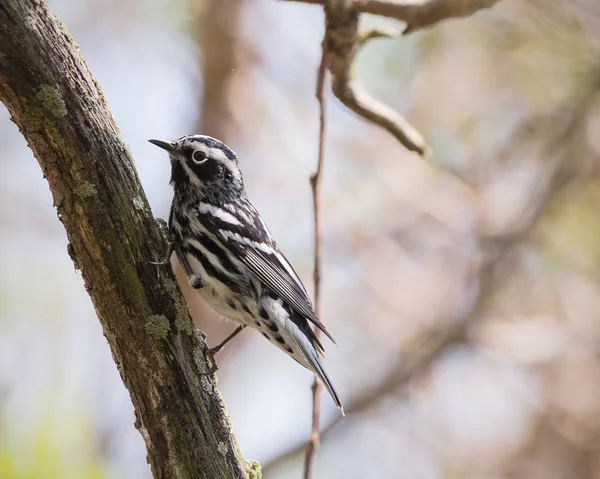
199 157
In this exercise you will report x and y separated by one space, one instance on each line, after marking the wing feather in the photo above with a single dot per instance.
252 244
271 271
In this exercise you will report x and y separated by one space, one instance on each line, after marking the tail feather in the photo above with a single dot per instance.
305 345
310 346
317 342
310 354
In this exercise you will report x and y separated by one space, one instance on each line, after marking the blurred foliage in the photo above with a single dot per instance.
571 228
54 448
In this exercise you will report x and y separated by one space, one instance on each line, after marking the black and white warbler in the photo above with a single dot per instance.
230 257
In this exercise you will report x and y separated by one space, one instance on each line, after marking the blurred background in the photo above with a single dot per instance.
464 292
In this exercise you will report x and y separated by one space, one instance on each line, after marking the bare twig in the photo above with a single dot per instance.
315 183
343 44
422 13
416 14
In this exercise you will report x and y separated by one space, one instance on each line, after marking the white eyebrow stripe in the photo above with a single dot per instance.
202 147
207 208
217 154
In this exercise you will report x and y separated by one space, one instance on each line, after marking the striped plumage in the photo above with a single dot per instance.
230 256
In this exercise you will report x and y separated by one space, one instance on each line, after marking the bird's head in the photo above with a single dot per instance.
203 166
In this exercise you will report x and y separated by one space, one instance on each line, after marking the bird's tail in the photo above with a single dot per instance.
310 347
316 366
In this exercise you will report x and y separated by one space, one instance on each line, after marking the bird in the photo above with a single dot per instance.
230 257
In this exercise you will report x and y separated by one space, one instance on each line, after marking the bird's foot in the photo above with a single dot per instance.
210 352
170 247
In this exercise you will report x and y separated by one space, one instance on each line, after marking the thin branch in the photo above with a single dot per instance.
315 183
422 13
343 44
416 14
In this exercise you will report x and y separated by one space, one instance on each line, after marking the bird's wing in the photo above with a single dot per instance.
254 246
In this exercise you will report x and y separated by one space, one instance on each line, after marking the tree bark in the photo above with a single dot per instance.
61 112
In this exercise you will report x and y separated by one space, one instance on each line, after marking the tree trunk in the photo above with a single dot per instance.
112 237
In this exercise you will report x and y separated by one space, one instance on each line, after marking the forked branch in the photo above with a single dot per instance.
344 41
416 14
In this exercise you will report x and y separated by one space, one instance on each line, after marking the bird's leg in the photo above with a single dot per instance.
214 350
166 260
221 345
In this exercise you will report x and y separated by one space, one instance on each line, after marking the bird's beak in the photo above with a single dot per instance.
165 145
